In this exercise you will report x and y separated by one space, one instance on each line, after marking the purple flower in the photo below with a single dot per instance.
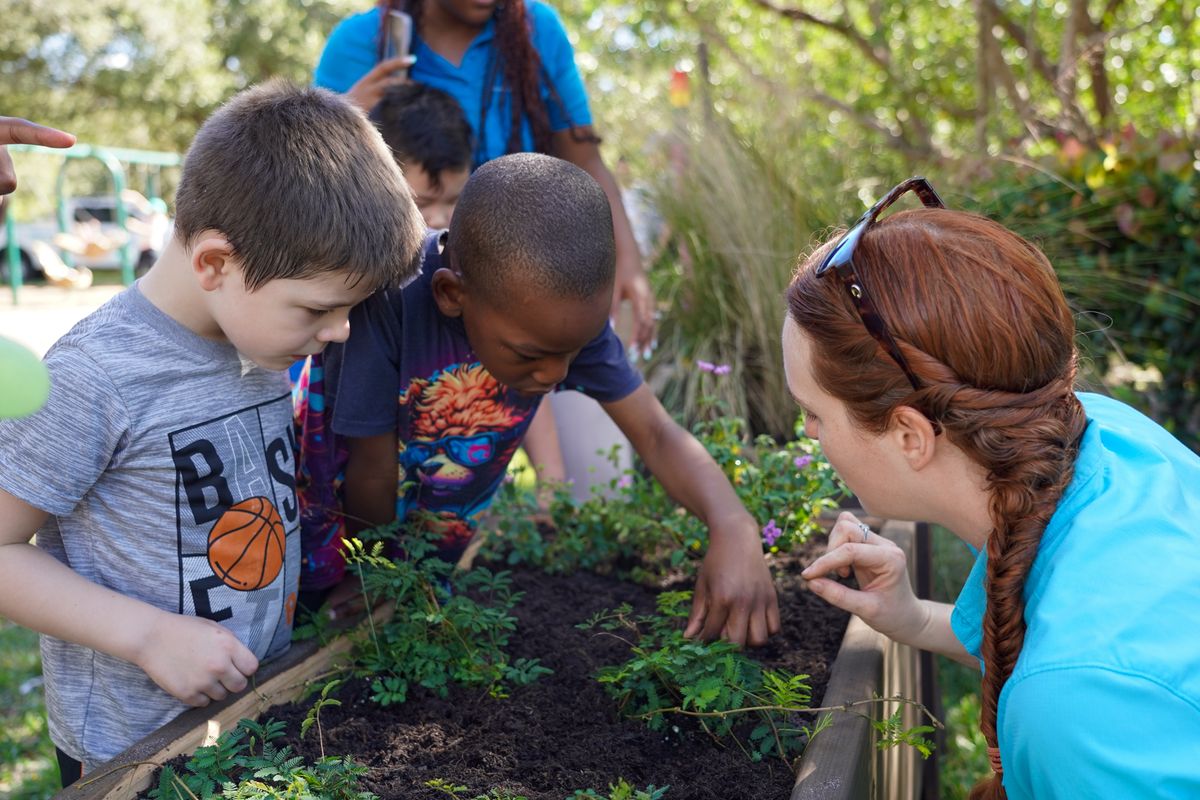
625 481
706 366
771 532
722 369
802 461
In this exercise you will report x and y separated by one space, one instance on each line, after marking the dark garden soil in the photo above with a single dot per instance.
563 733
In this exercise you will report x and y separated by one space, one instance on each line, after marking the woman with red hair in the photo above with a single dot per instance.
933 355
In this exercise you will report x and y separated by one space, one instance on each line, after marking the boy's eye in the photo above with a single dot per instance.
317 312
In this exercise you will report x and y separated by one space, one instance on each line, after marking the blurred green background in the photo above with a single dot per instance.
753 127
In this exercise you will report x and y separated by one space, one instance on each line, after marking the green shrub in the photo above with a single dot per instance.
1122 227
447 627
245 764
636 528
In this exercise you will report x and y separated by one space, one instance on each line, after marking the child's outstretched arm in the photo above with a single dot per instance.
194 659
734 596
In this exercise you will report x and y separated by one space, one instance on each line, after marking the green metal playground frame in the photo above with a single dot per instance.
114 160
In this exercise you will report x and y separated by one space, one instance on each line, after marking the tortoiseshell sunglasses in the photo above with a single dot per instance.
841 261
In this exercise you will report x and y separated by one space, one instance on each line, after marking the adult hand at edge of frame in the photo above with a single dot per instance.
14 130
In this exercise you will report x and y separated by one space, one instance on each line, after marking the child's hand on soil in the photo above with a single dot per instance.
196 660
735 597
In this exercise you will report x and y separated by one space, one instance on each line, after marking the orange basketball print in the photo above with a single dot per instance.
245 547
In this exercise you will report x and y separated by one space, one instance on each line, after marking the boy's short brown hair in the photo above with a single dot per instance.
300 183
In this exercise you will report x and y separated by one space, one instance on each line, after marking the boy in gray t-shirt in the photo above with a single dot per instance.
159 477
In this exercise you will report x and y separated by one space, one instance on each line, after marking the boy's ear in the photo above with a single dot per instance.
213 260
449 292
913 434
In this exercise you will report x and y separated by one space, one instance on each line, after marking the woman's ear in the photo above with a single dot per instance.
449 292
914 436
213 260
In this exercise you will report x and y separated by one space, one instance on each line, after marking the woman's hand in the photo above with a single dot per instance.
371 88
884 599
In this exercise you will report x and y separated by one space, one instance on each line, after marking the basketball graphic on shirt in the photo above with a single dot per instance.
246 545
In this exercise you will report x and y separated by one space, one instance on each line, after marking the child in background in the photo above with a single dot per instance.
160 477
438 383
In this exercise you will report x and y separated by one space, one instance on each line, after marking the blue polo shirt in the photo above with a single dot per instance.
1105 698
351 52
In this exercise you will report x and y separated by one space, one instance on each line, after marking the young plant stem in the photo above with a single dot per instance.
370 615
845 707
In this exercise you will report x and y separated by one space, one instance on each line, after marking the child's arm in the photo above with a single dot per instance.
734 598
543 447
194 659
370 485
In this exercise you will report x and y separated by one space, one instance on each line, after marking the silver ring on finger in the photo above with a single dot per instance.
866 531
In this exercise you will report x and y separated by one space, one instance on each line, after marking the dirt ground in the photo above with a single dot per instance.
43 313
563 732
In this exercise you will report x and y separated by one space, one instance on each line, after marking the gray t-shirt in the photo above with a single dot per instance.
167 465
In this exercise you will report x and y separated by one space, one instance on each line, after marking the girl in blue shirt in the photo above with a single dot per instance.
512 69
933 355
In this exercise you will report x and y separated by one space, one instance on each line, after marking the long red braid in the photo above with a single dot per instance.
978 314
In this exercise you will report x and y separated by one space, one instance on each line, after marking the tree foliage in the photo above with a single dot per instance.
132 74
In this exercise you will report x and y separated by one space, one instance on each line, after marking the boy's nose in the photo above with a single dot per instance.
552 372
437 218
337 332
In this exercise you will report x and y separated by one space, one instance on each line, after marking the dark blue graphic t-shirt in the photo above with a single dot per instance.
408 367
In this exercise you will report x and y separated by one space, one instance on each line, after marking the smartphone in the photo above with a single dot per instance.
400 34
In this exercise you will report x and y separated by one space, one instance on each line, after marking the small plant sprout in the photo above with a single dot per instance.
230 768
447 627
622 790
718 686
314 713
456 792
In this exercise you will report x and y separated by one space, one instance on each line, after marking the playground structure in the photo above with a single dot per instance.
115 161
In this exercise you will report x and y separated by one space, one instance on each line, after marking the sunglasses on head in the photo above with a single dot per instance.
841 260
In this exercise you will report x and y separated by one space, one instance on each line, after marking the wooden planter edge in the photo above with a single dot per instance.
842 762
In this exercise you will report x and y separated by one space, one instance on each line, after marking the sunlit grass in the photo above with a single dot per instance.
27 764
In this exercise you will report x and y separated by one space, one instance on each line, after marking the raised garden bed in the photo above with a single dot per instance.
562 732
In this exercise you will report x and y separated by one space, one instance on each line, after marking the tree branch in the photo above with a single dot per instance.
1024 39
893 138
881 57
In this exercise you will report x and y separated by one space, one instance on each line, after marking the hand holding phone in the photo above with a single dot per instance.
400 35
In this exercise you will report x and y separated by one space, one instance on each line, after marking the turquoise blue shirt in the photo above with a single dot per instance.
351 52
1105 698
